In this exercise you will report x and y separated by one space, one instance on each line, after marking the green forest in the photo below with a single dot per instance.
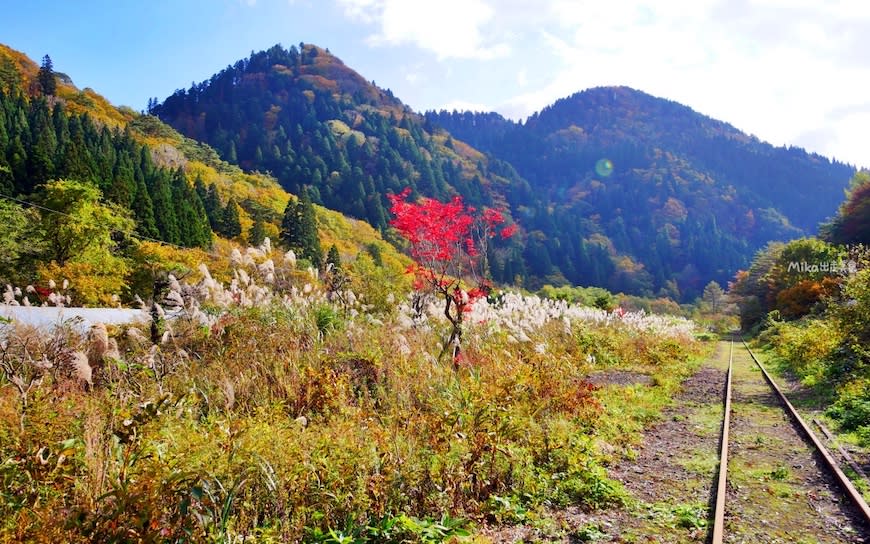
682 202
684 197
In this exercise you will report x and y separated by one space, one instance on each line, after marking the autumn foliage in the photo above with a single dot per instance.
448 241
799 299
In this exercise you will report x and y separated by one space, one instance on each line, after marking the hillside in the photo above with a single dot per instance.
685 197
173 188
307 119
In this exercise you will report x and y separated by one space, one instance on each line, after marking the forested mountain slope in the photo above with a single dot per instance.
687 197
304 117
611 187
175 190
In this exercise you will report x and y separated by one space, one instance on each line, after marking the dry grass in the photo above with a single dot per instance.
285 420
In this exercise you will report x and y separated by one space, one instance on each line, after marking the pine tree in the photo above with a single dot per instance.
213 208
311 249
122 186
45 77
143 211
299 230
291 227
164 211
713 296
40 163
199 187
231 223
193 225
258 232
333 258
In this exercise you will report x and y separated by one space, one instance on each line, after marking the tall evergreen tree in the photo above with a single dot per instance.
193 226
299 230
46 78
231 223
164 211
291 227
258 232
333 258
311 249
43 148
143 211
213 208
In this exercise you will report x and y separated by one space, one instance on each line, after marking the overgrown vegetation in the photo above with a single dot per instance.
810 300
829 353
274 409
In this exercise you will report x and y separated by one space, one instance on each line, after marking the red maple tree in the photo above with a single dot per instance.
448 241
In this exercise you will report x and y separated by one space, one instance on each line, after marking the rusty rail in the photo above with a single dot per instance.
846 484
719 515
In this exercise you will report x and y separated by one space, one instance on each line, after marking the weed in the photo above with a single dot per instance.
589 533
279 416
779 474
684 516
506 509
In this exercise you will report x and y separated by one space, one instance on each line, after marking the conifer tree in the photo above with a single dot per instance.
258 232
333 258
45 77
143 211
164 211
713 295
299 230
43 149
311 249
213 208
231 223
290 234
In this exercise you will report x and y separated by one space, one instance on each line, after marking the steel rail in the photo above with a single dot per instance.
853 494
719 515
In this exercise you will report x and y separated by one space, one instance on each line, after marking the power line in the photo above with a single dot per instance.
130 234
210 252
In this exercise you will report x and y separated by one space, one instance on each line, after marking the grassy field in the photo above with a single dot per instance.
277 411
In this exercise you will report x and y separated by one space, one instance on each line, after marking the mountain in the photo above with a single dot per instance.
310 121
684 197
176 189
611 187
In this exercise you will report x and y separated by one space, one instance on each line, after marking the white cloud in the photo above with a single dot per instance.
448 28
362 10
780 69
775 69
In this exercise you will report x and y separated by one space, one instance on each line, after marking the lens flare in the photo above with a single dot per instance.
604 167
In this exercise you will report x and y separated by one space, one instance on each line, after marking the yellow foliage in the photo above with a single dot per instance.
76 100
151 260
89 284
90 102
350 236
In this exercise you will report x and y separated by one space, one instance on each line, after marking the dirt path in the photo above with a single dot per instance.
778 490
669 476
673 474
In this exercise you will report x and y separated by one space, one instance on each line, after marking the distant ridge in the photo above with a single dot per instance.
683 199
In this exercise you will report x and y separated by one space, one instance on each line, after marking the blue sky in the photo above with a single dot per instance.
791 72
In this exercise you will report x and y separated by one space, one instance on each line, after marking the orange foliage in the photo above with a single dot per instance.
799 299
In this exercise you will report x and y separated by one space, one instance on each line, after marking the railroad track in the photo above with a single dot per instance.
786 513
